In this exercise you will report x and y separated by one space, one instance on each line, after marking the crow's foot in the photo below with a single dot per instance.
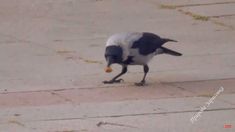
113 81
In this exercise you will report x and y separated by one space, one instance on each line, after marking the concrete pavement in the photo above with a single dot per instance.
52 66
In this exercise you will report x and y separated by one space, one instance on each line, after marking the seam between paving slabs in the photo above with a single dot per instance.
222 79
110 86
66 89
190 5
131 115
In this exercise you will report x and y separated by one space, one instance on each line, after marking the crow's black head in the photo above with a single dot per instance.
113 54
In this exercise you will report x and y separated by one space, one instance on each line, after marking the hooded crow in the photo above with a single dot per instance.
134 48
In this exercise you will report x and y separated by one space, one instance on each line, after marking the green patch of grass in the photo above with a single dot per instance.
64 51
199 17
195 16
90 61
163 6
16 122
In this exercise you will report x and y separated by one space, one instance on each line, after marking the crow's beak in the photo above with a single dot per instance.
110 61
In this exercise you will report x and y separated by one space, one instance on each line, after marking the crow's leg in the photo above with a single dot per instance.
146 70
115 80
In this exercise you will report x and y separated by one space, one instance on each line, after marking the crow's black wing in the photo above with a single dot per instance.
148 43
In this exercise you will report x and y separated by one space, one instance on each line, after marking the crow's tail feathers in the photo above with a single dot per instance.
168 40
170 52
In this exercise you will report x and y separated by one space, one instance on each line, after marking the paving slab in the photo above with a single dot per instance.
76 96
113 109
116 93
132 115
151 123
61 54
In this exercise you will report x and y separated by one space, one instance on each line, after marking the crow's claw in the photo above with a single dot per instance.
113 81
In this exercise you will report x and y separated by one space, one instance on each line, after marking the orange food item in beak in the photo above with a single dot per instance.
108 69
